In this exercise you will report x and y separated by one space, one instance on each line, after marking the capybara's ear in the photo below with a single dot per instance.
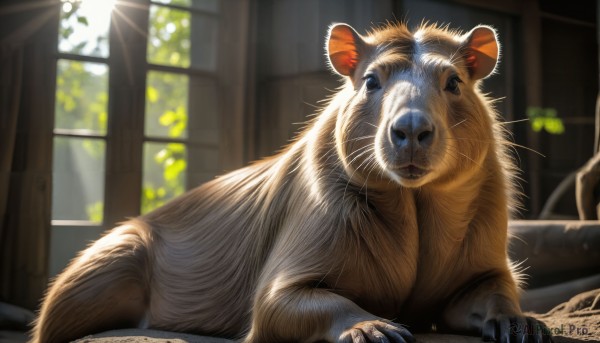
481 51
344 47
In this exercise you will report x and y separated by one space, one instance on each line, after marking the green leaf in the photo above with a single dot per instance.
66 33
83 20
95 211
554 126
537 124
550 113
149 193
152 94
167 118
174 169
176 148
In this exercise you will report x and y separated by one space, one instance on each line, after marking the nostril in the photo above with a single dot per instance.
424 135
400 134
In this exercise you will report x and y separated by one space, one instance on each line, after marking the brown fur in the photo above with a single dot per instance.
322 241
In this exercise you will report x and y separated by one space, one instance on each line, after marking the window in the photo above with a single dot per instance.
137 111
81 112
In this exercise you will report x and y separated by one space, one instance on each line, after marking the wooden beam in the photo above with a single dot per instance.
24 243
232 70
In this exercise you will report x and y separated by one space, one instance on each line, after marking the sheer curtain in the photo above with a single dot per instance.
28 32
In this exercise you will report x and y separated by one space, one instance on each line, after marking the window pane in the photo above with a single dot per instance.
164 177
166 105
81 96
84 27
78 179
169 37
171 34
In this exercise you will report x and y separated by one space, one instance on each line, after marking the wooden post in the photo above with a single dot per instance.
127 87
532 42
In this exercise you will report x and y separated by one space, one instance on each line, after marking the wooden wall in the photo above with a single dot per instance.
291 74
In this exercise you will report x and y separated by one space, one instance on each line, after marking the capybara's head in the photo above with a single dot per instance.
411 111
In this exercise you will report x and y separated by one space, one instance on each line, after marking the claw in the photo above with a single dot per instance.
489 331
520 330
378 331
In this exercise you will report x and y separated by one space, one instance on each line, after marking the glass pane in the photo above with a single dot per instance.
171 34
78 179
169 37
81 96
166 105
84 27
164 177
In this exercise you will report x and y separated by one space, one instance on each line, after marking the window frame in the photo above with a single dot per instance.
128 68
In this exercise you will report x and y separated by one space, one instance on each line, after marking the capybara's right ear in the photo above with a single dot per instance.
482 51
343 49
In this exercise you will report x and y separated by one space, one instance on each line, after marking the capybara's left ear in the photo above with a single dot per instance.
344 47
481 50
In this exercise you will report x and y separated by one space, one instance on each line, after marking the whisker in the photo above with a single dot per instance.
358 138
366 182
470 159
526 148
511 122
360 155
492 140
455 125
356 169
359 151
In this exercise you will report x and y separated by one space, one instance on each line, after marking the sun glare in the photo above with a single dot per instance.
96 7
85 26
99 7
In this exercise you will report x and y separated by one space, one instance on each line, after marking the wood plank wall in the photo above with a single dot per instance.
291 74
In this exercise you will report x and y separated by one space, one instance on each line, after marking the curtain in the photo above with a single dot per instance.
28 32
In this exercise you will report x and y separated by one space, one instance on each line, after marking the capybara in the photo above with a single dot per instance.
389 212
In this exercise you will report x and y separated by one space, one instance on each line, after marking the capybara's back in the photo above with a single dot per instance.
389 209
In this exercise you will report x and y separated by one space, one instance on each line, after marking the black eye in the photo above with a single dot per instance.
371 82
452 84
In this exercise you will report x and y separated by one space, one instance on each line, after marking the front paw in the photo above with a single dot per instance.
506 329
376 331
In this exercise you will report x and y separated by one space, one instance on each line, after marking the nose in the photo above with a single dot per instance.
412 129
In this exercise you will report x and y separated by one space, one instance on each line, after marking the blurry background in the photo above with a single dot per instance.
109 108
